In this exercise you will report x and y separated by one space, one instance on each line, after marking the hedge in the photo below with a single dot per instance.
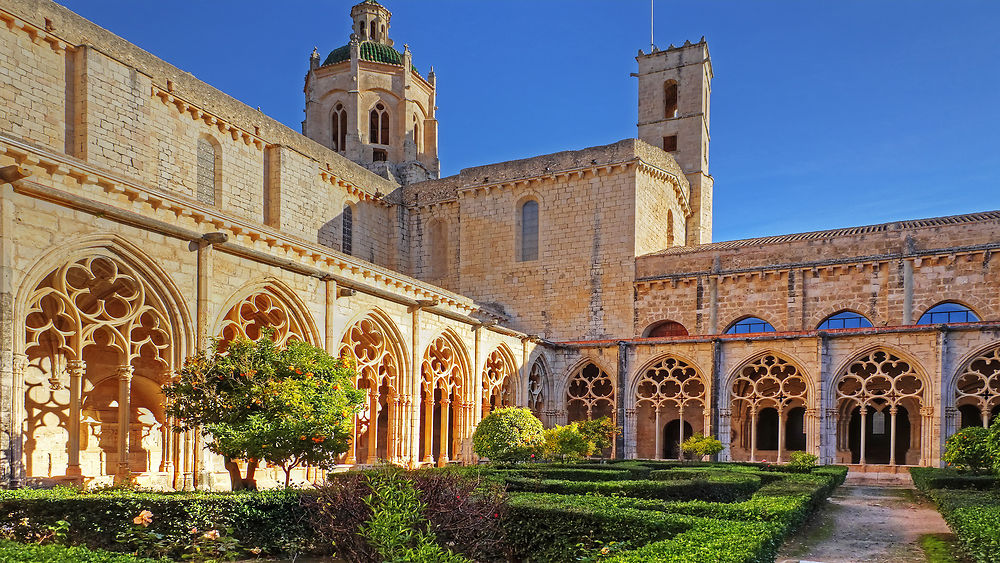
14 552
271 520
970 507
568 474
714 488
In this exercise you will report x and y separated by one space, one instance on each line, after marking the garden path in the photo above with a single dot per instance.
866 522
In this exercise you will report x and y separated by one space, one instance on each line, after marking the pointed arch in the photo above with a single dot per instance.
500 381
538 388
768 393
447 398
374 347
882 405
262 304
668 390
94 310
975 388
589 392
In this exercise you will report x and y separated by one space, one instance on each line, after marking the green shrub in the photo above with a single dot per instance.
566 443
508 434
969 450
721 489
568 474
973 516
927 478
13 552
600 432
699 446
803 462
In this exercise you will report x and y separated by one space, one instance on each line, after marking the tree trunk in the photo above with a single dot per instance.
235 479
250 483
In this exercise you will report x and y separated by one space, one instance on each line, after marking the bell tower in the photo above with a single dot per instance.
367 101
675 87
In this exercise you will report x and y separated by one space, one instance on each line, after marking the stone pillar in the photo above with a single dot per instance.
680 431
713 305
75 368
621 385
415 386
908 291
659 435
864 432
725 420
445 435
926 435
828 425
330 285
753 433
373 406
17 422
782 414
124 472
478 397
428 427
892 436
631 422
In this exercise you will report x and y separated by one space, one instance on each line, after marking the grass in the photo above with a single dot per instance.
940 548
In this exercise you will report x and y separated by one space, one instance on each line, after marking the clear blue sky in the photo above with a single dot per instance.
824 114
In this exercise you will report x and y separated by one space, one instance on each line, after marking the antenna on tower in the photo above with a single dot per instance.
651 46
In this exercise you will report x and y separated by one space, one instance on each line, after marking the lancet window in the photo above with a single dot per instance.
447 410
590 394
368 348
671 393
497 378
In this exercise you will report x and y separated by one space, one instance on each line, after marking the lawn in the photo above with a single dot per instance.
616 511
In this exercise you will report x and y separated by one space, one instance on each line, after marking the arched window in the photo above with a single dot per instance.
373 35
670 228
948 312
590 394
207 171
669 99
529 231
339 123
438 236
844 319
378 125
361 30
666 328
347 230
749 325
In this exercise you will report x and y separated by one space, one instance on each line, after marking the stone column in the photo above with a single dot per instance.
428 427
124 473
892 436
864 431
621 384
17 422
415 385
725 422
753 433
926 434
828 445
659 435
680 431
373 406
445 435
330 285
75 368
632 445
782 414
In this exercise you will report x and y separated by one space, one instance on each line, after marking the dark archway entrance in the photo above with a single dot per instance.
878 434
795 430
767 429
970 415
671 435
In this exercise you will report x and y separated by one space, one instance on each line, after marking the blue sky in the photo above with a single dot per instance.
824 114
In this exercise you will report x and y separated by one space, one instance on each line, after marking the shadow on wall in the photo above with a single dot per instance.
338 233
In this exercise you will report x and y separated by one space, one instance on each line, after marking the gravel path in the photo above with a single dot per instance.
866 524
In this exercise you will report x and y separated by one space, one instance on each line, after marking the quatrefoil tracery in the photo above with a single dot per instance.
770 381
671 382
979 382
879 379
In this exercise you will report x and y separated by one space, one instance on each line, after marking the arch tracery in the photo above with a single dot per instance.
874 383
768 385
664 392
445 398
260 310
498 380
978 386
590 393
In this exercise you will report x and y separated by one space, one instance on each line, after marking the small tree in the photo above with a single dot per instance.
566 443
508 434
969 450
600 432
257 402
699 445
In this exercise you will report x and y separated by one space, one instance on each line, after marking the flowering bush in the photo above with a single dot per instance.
508 434
969 450
254 401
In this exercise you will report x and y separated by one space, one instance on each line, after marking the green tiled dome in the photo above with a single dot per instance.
370 51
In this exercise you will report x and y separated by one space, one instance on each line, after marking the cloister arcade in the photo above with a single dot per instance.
671 403
769 399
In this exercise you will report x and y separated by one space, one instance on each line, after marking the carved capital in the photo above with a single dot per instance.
124 373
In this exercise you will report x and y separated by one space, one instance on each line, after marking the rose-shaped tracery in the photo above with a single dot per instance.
978 385
259 312
497 377
879 379
671 382
590 394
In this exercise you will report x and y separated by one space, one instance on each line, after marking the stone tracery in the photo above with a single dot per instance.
498 375
877 382
770 385
665 391
260 311
977 388
368 347
536 389
447 408
590 394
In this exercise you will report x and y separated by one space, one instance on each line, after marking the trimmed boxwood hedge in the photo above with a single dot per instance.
973 514
713 488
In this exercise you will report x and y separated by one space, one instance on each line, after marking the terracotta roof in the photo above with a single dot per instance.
833 233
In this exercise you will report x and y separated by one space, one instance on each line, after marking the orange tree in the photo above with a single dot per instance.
256 402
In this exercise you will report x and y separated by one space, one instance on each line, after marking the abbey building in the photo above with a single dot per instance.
144 213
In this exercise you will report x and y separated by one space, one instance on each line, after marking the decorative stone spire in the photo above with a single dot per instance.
371 22
314 58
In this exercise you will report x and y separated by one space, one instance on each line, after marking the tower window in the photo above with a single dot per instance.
749 325
361 30
378 125
948 312
670 143
347 230
379 155
339 126
669 99
529 231
416 132
373 36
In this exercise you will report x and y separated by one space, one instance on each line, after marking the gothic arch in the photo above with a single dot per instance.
668 389
976 386
768 394
538 387
96 317
264 303
873 381
500 380
447 398
374 347
744 317
972 302
589 391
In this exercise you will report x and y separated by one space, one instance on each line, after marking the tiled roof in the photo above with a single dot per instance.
832 233
370 51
